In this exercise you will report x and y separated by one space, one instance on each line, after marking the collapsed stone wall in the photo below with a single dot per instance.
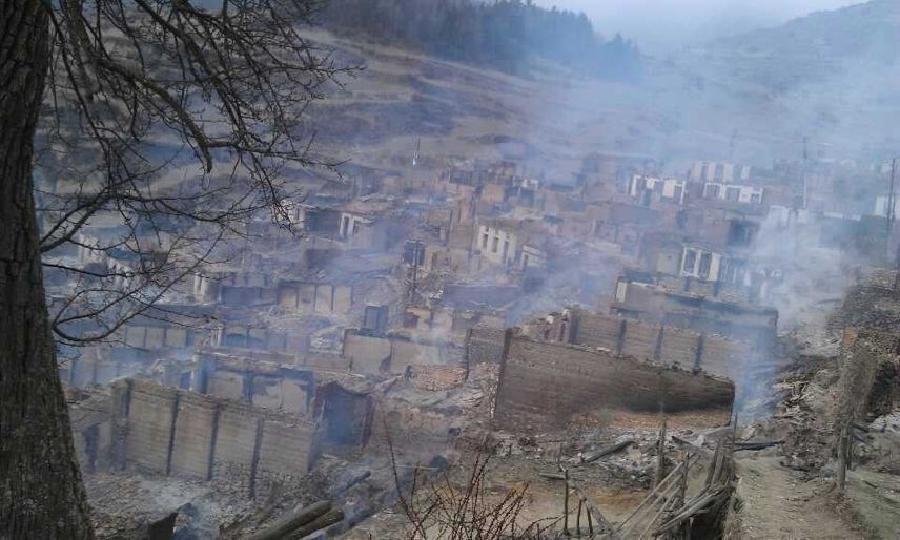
886 278
437 378
870 373
168 431
543 385
868 306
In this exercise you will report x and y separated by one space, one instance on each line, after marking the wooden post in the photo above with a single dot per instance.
593 513
842 459
683 483
660 454
566 507
851 432
590 523
678 498
656 493
578 519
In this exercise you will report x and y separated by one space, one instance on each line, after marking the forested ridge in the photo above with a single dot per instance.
508 35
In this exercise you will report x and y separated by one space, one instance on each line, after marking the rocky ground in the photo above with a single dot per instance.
789 491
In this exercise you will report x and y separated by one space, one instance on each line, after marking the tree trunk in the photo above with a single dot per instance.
41 495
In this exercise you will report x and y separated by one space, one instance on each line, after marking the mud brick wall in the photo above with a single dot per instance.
151 413
367 354
681 347
415 433
315 298
725 357
236 438
484 345
667 345
95 367
280 393
326 362
261 383
406 354
699 313
194 434
542 385
225 384
597 331
156 337
641 340
394 354
279 460
175 432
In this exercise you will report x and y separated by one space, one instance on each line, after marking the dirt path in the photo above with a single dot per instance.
778 504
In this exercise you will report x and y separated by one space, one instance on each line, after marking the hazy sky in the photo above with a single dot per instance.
660 24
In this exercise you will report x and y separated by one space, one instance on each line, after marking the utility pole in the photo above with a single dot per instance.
415 272
891 212
803 171
734 135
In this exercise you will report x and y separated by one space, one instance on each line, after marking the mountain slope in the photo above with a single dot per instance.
832 77
818 47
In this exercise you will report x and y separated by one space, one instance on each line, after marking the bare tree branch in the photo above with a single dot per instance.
143 88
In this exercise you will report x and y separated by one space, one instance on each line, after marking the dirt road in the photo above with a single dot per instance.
777 504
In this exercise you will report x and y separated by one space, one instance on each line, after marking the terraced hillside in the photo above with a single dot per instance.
831 78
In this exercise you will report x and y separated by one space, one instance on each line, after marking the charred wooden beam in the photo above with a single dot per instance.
756 445
297 519
606 451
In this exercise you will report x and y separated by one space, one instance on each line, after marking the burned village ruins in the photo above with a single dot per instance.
409 321
496 302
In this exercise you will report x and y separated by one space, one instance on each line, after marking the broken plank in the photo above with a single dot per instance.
755 445
552 476
293 521
608 450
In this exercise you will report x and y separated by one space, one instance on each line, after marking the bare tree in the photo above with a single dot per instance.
448 506
175 121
